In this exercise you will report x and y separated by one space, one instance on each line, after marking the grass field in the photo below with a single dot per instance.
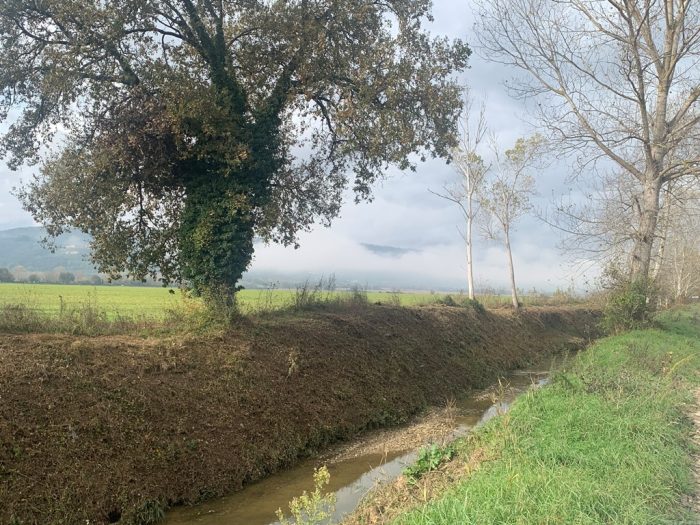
155 302
610 441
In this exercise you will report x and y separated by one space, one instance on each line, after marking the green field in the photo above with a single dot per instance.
92 310
122 300
155 302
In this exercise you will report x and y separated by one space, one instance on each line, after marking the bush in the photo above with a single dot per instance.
629 305
475 305
447 301
149 513
309 296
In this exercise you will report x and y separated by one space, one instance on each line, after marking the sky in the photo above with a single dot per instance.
404 214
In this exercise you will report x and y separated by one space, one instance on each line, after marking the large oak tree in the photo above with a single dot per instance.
175 131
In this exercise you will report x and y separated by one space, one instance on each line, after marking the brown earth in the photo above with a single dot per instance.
114 429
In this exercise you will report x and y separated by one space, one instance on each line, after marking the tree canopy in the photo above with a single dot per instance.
175 131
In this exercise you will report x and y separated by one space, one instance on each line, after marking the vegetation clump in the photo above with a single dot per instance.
629 305
312 508
429 459
475 305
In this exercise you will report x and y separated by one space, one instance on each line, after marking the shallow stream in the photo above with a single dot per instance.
355 468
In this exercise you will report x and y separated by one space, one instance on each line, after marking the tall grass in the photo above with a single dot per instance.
608 442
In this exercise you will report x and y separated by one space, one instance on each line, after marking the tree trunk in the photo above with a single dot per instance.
216 238
513 290
644 239
470 260
666 223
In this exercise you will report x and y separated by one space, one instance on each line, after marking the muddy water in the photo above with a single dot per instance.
352 477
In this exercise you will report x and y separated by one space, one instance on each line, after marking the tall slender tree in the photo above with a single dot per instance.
471 170
506 195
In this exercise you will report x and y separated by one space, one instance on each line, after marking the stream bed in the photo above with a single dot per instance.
358 467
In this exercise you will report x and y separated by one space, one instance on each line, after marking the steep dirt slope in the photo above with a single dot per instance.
113 429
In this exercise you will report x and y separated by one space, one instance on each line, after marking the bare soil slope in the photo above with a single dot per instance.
114 429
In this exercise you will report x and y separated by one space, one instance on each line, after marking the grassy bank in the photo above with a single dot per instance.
610 441
116 429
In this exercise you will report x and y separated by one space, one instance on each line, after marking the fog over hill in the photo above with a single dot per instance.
21 250
22 247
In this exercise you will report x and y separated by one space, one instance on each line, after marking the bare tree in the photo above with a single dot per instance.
677 264
472 170
603 221
506 194
616 80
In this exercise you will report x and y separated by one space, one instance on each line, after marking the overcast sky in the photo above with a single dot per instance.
405 215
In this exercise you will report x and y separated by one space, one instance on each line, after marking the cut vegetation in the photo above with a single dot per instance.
609 441
116 429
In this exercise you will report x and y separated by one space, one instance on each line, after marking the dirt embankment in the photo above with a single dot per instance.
113 429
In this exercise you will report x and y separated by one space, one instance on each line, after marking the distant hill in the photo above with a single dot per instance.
22 247
387 251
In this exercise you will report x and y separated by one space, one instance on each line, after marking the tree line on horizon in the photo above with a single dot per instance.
62 276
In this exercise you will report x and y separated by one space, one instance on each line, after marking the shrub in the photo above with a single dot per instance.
358 296
447 301
324 295
149 513
192 315
314 508
475 305
395 298
311 296
629 305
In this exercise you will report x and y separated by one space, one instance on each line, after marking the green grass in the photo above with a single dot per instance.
609 441
121 300
156 302
103 310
